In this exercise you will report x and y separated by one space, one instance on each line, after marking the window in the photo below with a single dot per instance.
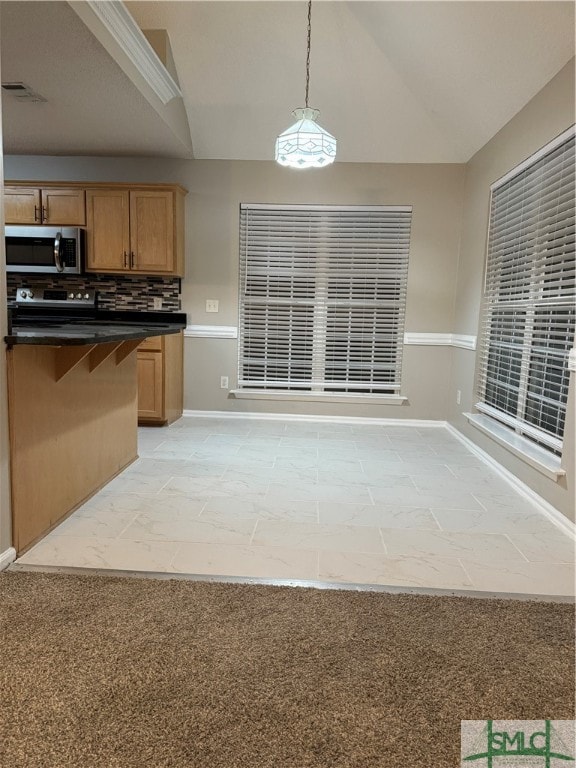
322 295
528 318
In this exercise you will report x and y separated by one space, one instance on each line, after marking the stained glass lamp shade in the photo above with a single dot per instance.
305 144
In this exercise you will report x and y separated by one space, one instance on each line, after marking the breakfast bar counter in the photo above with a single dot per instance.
99 327
73 411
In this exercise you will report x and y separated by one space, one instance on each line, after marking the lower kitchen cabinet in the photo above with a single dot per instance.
160 379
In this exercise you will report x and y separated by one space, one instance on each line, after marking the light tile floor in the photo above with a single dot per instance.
396 506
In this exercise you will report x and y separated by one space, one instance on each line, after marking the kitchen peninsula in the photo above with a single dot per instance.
73 391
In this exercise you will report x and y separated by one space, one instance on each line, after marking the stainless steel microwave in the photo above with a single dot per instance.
44 249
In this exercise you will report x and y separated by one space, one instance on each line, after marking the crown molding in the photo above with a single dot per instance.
114 15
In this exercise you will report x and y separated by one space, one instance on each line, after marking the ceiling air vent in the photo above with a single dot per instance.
21 92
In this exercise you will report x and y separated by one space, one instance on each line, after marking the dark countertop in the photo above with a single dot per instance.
100 327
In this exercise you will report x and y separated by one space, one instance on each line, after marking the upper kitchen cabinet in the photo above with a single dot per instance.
108 230
137 230
47 205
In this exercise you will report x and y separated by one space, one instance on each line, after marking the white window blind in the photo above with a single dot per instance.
529 300
322 295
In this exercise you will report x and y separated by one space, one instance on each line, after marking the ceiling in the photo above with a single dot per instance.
401 82
92 107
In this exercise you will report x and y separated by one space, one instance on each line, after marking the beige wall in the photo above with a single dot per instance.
216 189
207 359
544 117
446 260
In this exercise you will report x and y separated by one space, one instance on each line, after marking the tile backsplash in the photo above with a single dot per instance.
116 292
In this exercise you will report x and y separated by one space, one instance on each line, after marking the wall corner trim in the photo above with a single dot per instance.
463 341
7 557
441 340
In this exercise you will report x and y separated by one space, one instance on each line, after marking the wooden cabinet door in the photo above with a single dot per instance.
22 205
63 206
152 231
173 376
152 344
108 230
160 400
150 385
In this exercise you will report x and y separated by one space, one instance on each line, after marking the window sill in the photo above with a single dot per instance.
538 458
257 394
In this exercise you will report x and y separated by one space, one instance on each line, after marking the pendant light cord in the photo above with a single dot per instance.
308 50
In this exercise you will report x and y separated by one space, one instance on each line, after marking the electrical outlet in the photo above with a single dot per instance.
458 396
223 382
212 305
157 302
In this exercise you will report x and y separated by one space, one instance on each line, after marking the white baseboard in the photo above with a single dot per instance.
555 517
420 423
7 557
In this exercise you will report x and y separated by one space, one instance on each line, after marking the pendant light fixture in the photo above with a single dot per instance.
306 144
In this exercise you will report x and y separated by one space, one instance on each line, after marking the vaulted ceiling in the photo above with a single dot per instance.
409 82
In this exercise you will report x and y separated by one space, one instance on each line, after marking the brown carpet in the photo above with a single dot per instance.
106 672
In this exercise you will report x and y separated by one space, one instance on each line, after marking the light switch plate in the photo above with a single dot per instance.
157 302
212 305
